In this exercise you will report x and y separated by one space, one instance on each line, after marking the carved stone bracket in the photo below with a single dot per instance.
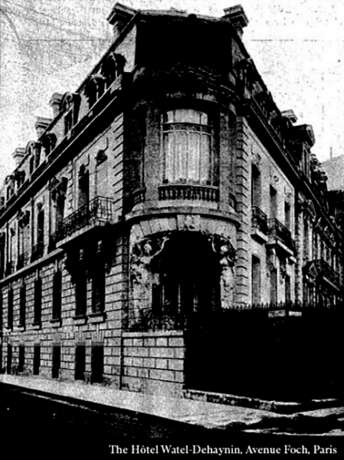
24 219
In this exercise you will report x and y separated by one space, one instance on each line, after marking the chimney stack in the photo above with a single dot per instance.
331 152
236 15
41 125
18 155
55 103
289 115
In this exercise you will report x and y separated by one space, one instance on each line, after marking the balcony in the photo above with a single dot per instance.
37 251
188 192
281 235
97 213
319 268
259 224
23 259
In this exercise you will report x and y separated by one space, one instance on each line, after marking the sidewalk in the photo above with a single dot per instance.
205 414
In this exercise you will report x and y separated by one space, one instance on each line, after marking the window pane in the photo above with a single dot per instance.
194 157
169 156
180 155
205 172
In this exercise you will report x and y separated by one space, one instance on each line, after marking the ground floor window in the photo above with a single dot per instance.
36 359
9 359
80 356
21 358
97 363
56 362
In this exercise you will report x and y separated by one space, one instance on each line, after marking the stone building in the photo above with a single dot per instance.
168 187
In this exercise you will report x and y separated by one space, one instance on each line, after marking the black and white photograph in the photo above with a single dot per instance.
171 229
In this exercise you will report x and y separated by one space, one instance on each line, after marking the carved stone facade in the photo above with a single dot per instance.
168 190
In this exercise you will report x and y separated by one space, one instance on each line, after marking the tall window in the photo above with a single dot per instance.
38 301
57 286
287 289
36 359
255 186
287 214
256 280
56 362
80 356
21 358
273 202
81 293
97 363
10 308
83 187
188 147
98 286
273 286
9 358
305 240
22 306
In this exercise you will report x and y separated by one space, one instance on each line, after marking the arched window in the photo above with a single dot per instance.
188 147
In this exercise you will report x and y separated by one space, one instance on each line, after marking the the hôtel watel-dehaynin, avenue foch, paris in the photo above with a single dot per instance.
170 233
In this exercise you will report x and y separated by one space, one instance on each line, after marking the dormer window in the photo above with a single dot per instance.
112 66
70 105
49 141
95 88
188 147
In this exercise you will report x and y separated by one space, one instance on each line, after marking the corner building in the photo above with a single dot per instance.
167 189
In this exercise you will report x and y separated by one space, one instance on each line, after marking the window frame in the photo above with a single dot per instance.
189 128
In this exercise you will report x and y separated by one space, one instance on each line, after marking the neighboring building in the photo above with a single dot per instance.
169 185
334 169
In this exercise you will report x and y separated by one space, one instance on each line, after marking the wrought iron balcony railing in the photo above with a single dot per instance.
326 271
281 232
98 211
259 220
23 259
37 251
188 192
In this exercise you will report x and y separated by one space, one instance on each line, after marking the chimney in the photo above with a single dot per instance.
41 125
18 155
331 152
119 17
289 115
236 15
55 103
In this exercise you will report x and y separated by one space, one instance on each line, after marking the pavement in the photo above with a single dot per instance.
206 414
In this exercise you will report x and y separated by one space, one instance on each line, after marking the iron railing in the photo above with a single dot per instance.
280 231
188 192
259 220
327 271
98 211
147 320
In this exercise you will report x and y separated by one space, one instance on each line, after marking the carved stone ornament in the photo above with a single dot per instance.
225 253
101 155
256 158
141 276
273 176
271 261
287 193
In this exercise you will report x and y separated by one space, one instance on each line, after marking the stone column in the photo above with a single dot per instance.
242 180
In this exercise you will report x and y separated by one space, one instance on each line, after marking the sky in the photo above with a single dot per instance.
50 45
